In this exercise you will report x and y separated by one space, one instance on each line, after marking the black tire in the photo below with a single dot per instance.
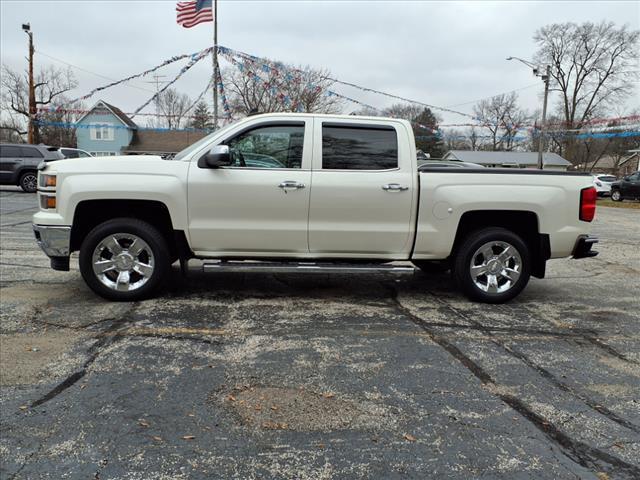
149 234
433 266
616 195
29 182
469 249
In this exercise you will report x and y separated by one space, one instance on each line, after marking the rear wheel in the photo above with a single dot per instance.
616 196
492 265
29 182
124 259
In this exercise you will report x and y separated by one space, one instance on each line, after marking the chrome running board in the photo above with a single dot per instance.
302 267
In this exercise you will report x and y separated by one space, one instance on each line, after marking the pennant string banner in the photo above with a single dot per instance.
195 58
280 76
196 101
137 75
118 127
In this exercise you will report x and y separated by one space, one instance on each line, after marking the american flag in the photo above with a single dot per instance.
194 12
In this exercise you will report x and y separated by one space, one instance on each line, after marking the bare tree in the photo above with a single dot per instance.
406 111
502 116
455 139
473 139
593 66
173 106
56 124
50 84
253 89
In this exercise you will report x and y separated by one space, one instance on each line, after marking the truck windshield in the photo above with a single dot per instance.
203 141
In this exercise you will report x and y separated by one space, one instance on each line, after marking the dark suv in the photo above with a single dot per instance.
19 164
628 187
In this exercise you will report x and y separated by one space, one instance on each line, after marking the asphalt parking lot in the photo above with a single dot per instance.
320 376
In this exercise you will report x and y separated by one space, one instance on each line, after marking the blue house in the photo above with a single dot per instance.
110 131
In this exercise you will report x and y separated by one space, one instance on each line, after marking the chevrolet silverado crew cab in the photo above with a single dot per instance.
305 192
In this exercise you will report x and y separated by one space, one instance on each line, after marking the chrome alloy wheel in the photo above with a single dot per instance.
495 267
123 262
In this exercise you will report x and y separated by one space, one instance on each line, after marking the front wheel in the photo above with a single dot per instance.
124 259
492 265
616 196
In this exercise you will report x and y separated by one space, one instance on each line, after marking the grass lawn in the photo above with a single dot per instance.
607 202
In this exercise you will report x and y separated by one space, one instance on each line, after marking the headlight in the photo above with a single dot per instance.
47 180
597 183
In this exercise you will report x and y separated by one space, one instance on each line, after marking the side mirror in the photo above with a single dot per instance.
218 156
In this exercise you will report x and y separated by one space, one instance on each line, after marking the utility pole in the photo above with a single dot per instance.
32 91
545 78
214 58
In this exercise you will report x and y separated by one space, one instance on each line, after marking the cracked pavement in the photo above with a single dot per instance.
320 376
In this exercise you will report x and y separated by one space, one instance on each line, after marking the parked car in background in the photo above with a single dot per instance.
19 163
603 182
627 188
74 153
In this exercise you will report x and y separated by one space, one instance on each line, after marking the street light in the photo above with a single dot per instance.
545 78
32 93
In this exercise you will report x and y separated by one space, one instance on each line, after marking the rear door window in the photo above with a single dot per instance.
351 147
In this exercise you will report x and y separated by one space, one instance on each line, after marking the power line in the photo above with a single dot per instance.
491 96
92 73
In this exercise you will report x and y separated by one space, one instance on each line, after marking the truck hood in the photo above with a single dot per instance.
123 164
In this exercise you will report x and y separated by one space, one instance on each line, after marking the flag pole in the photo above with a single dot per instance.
214 57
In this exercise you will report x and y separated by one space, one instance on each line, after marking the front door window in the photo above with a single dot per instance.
273 146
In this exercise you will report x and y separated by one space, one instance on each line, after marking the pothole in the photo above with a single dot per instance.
272 408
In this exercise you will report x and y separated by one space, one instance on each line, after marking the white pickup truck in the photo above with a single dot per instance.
304 192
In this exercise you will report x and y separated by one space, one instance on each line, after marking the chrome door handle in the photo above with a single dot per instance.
394 187
290 184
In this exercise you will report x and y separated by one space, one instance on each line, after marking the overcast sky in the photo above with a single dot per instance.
441 53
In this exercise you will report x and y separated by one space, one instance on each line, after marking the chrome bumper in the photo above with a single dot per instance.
54 241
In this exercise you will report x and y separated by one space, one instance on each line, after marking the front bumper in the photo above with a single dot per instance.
583 247
54 241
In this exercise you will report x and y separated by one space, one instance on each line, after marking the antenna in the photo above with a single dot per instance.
157 81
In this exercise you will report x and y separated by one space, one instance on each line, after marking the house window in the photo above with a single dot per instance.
102 132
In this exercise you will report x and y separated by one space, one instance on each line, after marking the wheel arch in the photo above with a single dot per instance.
521 222
22 171
90 213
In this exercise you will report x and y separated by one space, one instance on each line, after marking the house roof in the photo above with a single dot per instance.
509 158
169 141
115 110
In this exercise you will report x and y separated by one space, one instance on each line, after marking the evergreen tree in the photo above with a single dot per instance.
428 137
201 117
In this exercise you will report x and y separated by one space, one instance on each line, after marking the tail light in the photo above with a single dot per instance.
588 198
